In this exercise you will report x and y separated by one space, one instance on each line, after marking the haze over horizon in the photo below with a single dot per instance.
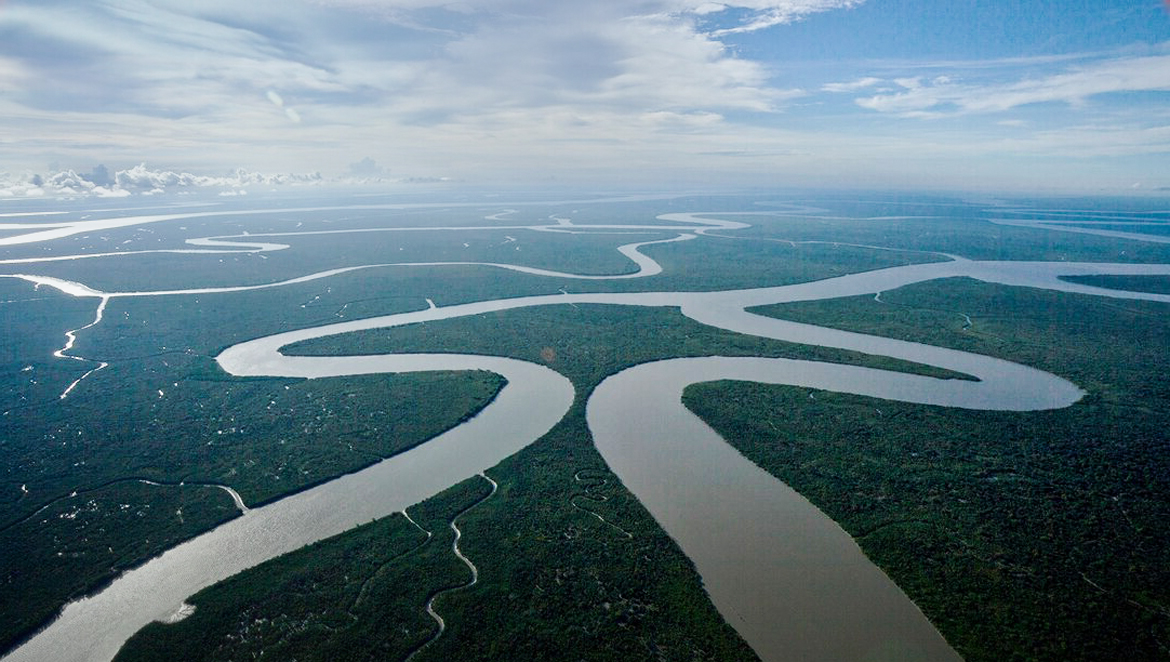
1036 95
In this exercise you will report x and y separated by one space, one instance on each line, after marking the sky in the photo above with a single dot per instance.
1028 95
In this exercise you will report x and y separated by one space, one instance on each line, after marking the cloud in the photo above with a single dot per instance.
103 192
201 65
748 15
141 180
763 14
68 182
591 57
943 96
859 84
12 74
367 167
503 90
278 101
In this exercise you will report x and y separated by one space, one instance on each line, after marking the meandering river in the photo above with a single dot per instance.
790 581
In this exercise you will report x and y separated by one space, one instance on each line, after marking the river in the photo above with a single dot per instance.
790 581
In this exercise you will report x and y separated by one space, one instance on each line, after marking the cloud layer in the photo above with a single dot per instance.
141 180
644 91
918 97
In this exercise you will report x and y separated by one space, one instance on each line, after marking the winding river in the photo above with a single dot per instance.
785 576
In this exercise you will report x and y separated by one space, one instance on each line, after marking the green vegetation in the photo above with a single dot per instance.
264 437
554 579
1162 229
587 342
957 230
552 576
74 545
1154 284
721 263
29 372
1036 535
358 596
551 579
714 262
1023 536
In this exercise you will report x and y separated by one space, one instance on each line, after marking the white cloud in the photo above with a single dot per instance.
12 74
942 96
490 89
669 65
20 189
853 86
68 182
759 14
709 8
780 13
103 192
278 101
141 180
592 58
171 59
1126 75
